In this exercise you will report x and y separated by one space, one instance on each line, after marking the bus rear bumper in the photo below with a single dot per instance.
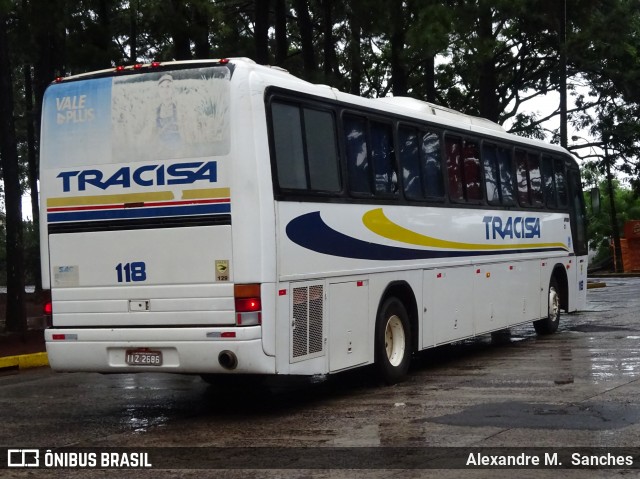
171 350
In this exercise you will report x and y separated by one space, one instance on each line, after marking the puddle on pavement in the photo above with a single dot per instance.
515 414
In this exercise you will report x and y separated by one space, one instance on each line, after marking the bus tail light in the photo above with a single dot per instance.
247 304
47 312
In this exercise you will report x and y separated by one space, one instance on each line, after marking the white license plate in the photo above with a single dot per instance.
143 357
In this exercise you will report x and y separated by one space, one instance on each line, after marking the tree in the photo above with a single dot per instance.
16 312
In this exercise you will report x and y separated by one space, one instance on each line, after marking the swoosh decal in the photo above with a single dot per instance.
311 232
377 222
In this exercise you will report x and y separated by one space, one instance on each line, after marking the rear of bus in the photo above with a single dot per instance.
142 194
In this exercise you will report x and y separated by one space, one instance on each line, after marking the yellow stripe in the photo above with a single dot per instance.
206 193
377 222
109 199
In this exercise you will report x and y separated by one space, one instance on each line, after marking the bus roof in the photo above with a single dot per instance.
405 106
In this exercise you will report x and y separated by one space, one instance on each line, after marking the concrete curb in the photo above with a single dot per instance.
24 361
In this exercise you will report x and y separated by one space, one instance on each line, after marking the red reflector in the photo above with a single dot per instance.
282 292
224 61
59 79
439 275
137 66
48 309
359 283
58 337
477 271
119 68
228 334
155 64
247 305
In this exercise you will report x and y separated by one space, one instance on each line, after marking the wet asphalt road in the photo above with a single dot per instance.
579 387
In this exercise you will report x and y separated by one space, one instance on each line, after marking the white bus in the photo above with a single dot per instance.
221 217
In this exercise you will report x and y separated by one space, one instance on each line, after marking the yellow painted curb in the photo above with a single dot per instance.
25 361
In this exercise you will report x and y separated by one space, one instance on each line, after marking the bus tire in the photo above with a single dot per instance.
550 324
393 341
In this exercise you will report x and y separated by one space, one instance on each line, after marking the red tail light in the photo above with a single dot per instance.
47 309
248 304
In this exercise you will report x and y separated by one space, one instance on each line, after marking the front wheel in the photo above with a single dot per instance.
550 324
393 341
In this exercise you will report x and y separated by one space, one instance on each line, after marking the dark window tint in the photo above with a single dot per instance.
472 177
410 162
463 168
357 159
420 163
548 182
535 180
432 165
454 167
522 178
322 154
383 160
561 183
287 138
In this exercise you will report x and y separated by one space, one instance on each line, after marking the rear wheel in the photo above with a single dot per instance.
550 324
393 341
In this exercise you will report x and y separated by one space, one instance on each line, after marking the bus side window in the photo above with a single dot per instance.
383 160
561 183
357 156
548 182
454 171
472 174
410 162
289 150
522 178
432 165
506 176
491 175
535 180
322 154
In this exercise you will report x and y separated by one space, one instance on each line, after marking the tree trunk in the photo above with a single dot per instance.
15 313
200 30
430 78
489 101
261 32
282 44
330 60
306 38
133 31
354 54
32 160
398 69
179 27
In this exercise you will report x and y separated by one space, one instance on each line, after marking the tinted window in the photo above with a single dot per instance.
561 182
383 160
410 162
549 182
535 180
472 177
287 138
357 159
432 165
322 154
454 167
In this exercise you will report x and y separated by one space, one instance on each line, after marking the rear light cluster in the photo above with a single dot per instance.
247 304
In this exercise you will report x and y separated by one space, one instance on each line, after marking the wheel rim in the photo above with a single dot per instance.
554 304
394 340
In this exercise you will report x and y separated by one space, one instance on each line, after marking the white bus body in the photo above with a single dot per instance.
173 240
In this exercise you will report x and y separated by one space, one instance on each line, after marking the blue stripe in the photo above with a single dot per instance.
133 213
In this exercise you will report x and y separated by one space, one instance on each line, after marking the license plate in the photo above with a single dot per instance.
143 357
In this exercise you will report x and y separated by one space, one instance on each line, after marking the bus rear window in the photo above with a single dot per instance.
144 117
